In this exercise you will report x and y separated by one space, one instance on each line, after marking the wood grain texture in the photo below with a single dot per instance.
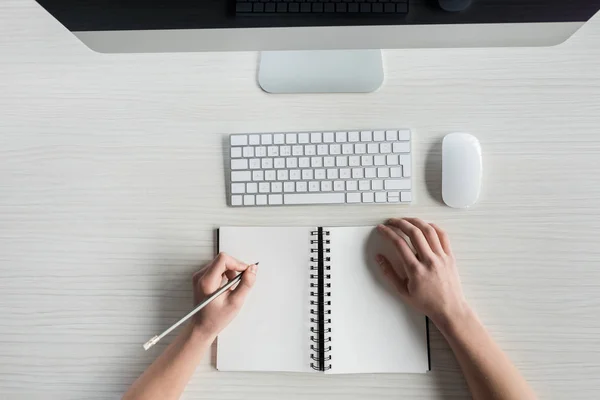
112 183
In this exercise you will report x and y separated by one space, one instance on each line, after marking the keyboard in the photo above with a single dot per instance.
347 167
320 7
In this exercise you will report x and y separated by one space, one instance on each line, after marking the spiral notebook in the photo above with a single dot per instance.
320 304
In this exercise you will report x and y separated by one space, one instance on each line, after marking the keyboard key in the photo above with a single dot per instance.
289 187
366 161
236 152
353 137
275 199
364 185
270 175
273 151
322 149
379 136
295 175
248 152
316 162
366 136
341 161
264 187
307 174
310 150
328 137
251 187
304 162
353 197
368 197
236 200
314 186
351 186
320 174
377 184
354 161
345 173
279 162
315 137
393 197
276 187
396 172
248 200
326 186
340 136
406 197
261 200
254 139
239 164
339 186
314 198
401 147
241 176
278 138
404 134
298 150
391 159
291 162
291 138
267 163
239 140
397 184
370 173
258 176
285 151
335 149
266 138
332 174
358 173
260 151
347 148
385 148
238 188
383 172
301 186
380 197
282 175
329 161
405 161
391 136
303 138
373 148
360 148
379 160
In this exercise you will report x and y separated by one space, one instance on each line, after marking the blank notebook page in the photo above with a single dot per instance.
271 332
372 331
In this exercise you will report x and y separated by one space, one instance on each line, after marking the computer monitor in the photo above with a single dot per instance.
293 42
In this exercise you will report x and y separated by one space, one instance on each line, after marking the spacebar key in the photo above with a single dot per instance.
314 198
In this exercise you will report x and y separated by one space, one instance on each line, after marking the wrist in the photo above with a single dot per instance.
451 321
200 335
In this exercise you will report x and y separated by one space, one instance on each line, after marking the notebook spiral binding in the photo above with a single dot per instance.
320 303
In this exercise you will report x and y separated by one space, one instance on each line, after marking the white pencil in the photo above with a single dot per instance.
200 306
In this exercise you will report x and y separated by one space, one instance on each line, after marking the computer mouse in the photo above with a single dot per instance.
455 5
461 170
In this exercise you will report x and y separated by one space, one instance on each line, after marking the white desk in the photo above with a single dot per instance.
112 183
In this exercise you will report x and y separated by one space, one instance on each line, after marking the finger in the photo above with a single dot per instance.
407 257
444 239
231 275
213 276
415 235
430 234
243 288
401 284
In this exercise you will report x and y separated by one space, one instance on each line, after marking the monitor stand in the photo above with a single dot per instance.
320 71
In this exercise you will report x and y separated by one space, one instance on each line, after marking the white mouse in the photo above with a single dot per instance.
461 170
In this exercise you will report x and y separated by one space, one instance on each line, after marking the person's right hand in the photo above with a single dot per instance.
427 280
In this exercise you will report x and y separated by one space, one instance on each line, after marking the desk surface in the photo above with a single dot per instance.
112 184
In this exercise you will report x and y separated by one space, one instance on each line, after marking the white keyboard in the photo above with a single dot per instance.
347 167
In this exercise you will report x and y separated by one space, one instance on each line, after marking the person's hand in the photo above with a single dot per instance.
427 280
217 315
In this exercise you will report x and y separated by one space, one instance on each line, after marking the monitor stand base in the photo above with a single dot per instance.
320 71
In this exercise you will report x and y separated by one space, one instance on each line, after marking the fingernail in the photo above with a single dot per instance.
380 227
379 259
253 268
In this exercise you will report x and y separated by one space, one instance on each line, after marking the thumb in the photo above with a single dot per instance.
392 276
238 295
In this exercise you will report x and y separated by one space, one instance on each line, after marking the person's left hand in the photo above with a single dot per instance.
218 314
